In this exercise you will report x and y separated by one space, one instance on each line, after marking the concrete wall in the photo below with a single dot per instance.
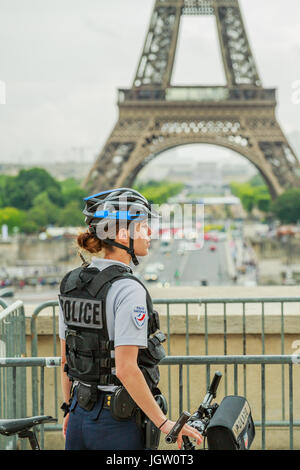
276 438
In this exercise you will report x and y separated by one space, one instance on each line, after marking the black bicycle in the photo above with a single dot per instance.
24 428
228 426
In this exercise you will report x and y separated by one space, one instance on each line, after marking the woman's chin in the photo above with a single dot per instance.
143 253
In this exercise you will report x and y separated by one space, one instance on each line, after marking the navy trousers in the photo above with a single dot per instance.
98 430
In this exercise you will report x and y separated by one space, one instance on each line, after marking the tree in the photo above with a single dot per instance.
43 212
12 217
264 202
257 180
286 207
23 188
159 192
252 194
71 216
71 191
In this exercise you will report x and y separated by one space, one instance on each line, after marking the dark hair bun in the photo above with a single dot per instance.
89 242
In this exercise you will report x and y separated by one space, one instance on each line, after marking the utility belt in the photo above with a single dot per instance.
122 408
119 402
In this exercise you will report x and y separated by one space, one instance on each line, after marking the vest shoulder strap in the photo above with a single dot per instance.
106 276
69 281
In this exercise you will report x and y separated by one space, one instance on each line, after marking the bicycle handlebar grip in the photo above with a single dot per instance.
215 383
173 434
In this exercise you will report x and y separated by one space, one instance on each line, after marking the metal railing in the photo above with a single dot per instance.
225 303
17 367
3 304
260 399
34 351
205 307
12 344
289 361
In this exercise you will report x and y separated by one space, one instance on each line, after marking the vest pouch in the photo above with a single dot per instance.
82 354
122 406
155 351
86 396
151 375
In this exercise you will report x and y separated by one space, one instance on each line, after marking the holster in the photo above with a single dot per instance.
151 432
86 396
122 406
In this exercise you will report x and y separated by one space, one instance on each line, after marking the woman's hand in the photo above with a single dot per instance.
186 431
65 424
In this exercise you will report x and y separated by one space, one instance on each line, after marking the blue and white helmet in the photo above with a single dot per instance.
124 205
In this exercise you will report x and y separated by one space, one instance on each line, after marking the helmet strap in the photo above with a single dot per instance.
129 250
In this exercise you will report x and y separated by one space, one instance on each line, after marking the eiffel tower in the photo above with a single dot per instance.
155 116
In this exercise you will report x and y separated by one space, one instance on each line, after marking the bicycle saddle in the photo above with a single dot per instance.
13 426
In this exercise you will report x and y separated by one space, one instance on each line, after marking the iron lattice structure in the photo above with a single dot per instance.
155 116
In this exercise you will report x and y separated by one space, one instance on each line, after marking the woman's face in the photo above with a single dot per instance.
142 235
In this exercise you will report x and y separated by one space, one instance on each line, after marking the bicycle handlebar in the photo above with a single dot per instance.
173 434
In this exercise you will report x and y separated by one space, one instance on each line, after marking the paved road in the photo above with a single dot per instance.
193 266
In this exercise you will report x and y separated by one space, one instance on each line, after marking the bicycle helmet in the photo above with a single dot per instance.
125 205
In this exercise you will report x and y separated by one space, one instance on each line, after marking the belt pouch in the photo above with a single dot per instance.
122 405
86 396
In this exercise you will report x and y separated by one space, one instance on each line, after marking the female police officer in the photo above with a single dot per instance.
110 338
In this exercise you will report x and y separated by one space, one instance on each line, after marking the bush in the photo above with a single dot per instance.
287 207
12 217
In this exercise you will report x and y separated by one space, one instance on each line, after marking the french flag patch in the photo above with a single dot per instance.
139 315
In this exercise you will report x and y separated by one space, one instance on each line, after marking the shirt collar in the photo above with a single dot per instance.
101 262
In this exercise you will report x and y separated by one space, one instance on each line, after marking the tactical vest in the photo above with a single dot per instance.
83 293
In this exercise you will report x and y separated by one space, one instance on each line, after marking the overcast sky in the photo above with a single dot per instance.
63 60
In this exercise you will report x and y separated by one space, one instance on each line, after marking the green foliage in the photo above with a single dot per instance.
21 190
71 215
11 217
264 203
33 199
287 207
43 212
257 180
71 191
252 194
159 192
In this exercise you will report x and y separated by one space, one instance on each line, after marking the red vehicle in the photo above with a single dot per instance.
212 247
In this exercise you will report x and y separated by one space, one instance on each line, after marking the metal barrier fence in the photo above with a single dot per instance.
259 403
187 304
3 304
12 344
17 367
